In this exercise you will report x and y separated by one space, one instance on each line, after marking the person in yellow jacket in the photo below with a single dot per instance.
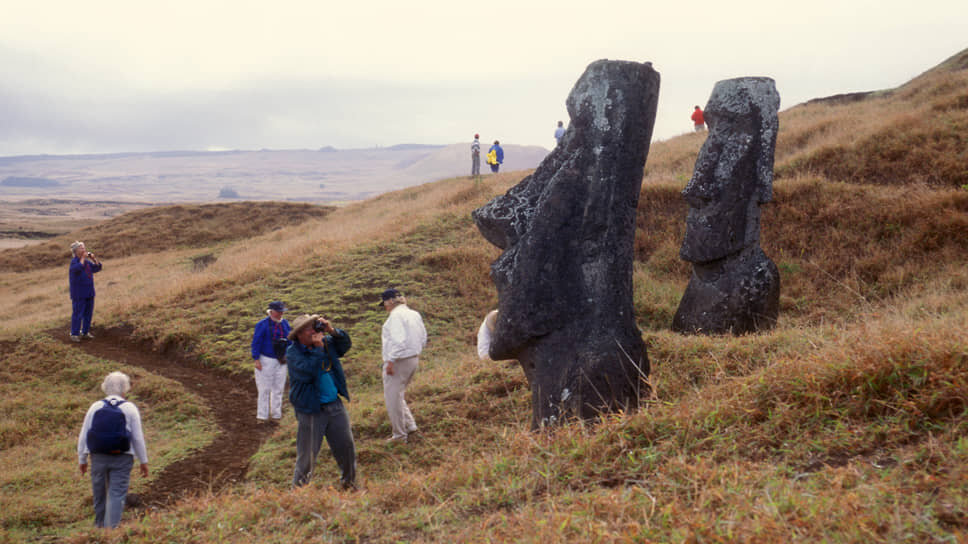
495 156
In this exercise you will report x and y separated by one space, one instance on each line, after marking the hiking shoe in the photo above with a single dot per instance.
75 338
88 335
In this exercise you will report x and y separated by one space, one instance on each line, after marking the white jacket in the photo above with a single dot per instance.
404 334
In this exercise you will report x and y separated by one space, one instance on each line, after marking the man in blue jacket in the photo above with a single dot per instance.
81 275
316 381
495 156
269 345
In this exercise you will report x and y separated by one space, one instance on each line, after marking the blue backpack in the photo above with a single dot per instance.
109 431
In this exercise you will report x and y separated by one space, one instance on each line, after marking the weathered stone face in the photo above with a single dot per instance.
564 280
734 287
734 171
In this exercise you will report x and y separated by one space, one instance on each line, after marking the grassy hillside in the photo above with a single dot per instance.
846 424
164 228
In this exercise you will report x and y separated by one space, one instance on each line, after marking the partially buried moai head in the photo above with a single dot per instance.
734 170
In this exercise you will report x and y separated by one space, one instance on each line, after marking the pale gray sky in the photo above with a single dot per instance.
108 76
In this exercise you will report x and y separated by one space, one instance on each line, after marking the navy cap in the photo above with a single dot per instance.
277 306
389 294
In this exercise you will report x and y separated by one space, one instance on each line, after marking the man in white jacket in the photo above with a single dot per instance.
404 337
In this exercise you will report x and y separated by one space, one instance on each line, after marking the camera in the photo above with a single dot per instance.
89 254
319 326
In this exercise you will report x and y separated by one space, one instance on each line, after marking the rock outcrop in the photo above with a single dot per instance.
564 280
735 287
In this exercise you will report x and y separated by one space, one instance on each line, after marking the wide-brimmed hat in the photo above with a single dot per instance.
277 306
301 323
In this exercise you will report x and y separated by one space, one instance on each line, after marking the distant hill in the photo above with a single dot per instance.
324 175
165 227
15 181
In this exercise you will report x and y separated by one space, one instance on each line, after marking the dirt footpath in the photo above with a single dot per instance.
231 397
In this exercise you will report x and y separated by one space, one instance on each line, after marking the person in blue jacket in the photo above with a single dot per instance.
269 343
81 274
495 156
316 383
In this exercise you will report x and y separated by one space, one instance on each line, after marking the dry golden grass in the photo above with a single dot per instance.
912 134
847 423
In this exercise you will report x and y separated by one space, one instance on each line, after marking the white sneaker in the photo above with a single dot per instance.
75 338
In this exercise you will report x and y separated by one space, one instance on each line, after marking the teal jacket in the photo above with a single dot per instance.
307 366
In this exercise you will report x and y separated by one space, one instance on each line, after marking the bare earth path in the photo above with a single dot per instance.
232 400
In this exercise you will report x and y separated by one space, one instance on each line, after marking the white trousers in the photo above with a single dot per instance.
394 386
270 381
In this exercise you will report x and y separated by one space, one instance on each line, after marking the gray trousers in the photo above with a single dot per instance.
333 423
110 475
394 386
475 165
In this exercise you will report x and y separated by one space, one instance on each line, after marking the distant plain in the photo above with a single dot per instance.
45 195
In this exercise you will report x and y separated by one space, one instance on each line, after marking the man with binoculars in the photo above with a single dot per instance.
316 381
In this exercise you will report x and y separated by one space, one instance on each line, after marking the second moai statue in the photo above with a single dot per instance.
735 287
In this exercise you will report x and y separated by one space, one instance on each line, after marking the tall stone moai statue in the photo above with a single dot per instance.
564 280
735 287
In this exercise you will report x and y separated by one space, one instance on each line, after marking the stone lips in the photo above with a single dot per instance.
564 280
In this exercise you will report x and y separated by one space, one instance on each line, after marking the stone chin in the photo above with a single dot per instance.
712 236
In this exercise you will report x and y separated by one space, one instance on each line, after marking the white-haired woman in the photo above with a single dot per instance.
112 436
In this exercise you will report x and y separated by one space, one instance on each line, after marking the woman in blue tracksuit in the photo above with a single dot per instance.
81 275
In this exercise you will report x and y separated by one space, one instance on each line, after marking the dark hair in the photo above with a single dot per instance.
497 142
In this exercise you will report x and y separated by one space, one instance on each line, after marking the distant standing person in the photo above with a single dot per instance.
699 122
316 382
81 274
269 344
559 132
404 338
111 435
476 157
495 156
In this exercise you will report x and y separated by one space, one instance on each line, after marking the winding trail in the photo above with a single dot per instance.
231 397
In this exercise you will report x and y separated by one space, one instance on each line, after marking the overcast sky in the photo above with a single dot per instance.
108 76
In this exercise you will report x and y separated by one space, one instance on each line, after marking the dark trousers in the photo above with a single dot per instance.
495 167
333 423
82 310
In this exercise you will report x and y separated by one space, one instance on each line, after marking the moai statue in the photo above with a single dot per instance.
735 287
564 280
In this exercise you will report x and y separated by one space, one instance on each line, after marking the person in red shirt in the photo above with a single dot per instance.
698 120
